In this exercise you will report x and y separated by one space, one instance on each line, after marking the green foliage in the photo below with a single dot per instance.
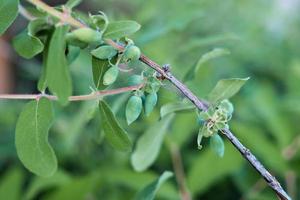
119 29
114 133
32 143
99 69
8 13
134 108
149 144
104 52
148 193
57 73
175 107
11 184
111 75
27 46
226 88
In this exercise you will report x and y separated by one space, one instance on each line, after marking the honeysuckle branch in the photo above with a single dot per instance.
201 105
93 96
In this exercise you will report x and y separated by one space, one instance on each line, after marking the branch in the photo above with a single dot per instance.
201 105
93 96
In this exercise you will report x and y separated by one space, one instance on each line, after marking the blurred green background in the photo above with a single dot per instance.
263 38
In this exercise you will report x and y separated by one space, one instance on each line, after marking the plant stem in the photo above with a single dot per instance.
179 171
201 105
93 96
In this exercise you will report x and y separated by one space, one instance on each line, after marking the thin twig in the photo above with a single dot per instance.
93 96
271 180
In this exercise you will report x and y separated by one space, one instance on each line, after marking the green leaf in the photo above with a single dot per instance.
72 3
99 69
11 184
200 136
150 102
31 139
114 133
104 52
57 75
37 25
217 144
217 52
119 29
27 46
175 107
133 108
226 88
148 193
111 75
42 83
39 184
8 13
149 144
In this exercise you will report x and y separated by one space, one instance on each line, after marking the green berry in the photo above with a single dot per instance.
132 53
87 35
110 75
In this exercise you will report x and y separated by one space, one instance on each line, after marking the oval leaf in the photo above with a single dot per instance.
226 88
31 139
111 75
114 133
8 13
99 69
148 193
133 108
150 103
175 107
104 52
217 144
27 46
57 73
119 29
149 144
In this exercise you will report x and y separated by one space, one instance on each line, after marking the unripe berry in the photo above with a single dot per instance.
87 35
132 53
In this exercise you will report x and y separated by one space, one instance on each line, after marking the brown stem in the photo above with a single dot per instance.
201 105
92 96
179 171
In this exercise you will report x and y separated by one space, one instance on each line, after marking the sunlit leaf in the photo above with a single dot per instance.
119 29
104 52
31 139
149 144
148 193
8 13
58 75
226 88
114 133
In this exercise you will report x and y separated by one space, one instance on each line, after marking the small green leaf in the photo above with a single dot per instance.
73 53
111 75
149 144
148 193
8 13
217 144
31 138
226 88
104 52
99 69
114 133
199 137
72 3
58 75
37 25
27 46
133 108
150 102
119 29
217 52
42 83
175 107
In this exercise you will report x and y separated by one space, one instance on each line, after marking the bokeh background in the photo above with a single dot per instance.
263 38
